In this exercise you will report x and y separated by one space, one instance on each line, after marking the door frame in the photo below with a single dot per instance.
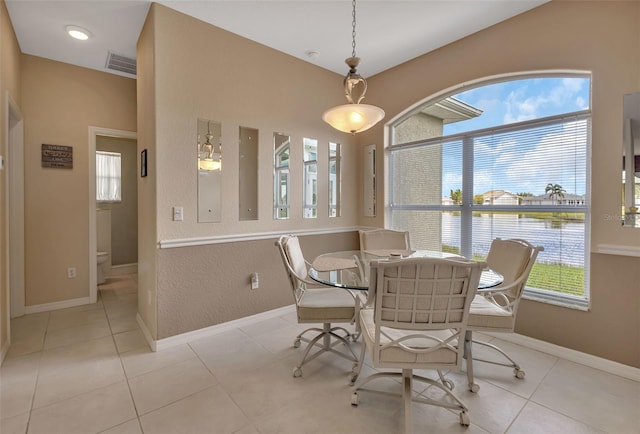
93 243
15 210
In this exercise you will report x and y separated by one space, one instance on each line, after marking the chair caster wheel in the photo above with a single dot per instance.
354 399
297 372
464 419
518 373
296 343
474 388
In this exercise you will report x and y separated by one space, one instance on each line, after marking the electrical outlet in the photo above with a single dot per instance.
71 272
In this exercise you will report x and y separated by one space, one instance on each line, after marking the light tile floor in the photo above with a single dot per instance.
88 369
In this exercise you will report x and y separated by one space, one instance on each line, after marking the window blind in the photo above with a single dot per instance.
108 176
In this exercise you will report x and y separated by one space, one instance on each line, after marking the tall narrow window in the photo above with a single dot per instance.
504 160
108 176
310 181
334 179
281 146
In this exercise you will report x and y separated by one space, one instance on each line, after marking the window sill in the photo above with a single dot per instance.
562 300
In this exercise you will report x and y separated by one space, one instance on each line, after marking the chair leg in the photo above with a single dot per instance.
517 371
407 374
326 345
468 344
358 367
468 356
407 378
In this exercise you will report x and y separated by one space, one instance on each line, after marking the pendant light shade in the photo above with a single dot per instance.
353 117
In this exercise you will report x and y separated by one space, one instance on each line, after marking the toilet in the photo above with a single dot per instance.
102 258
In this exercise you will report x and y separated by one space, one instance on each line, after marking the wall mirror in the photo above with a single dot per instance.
310 180
248 174
281 152
209 170
334 179
631 160
369 181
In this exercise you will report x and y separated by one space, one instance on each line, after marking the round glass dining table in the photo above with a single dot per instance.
350 269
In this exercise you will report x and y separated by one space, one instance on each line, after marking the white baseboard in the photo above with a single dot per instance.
146 332
161 344
589 360
57 305
119 270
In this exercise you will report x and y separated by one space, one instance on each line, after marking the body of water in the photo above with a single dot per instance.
563 242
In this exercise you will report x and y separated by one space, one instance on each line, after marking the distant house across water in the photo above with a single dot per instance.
499 197
544 199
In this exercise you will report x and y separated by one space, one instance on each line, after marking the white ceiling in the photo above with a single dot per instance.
388 32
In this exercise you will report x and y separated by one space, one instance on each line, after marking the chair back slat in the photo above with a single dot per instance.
424 293
382 239
421 308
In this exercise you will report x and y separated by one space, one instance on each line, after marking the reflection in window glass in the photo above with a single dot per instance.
281 145
334 179
108 176
310 181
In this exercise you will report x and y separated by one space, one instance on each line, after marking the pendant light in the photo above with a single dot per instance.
353 117
209 158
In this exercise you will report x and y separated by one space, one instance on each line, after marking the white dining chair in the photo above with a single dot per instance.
494 309
318 304
384 239
418 321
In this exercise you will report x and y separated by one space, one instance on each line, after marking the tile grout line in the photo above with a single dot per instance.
124 372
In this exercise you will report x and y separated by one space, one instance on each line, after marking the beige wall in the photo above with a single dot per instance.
147 218
206 285
206 72
9 84
602 37
195 70
59 103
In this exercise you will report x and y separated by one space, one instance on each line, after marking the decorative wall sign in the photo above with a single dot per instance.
57 156
143 163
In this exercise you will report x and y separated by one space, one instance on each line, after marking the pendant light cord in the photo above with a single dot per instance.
353 32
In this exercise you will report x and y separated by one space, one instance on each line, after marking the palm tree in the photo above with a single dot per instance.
555 191
456 196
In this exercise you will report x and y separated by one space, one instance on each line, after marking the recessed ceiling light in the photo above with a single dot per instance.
78 32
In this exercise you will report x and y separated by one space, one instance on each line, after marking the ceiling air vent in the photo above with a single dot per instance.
121 63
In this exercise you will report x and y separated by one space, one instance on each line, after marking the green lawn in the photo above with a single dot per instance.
553 277
561 278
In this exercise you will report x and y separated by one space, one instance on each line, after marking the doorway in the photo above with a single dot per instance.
94 134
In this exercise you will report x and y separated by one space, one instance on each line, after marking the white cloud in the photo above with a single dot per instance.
552 160
520 107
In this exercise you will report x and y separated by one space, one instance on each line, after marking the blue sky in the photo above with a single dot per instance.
513 165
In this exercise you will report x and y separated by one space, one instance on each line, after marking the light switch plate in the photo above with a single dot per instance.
178 213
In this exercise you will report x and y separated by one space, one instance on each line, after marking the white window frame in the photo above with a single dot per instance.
468 207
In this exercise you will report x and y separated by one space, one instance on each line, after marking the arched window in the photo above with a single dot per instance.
507 159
